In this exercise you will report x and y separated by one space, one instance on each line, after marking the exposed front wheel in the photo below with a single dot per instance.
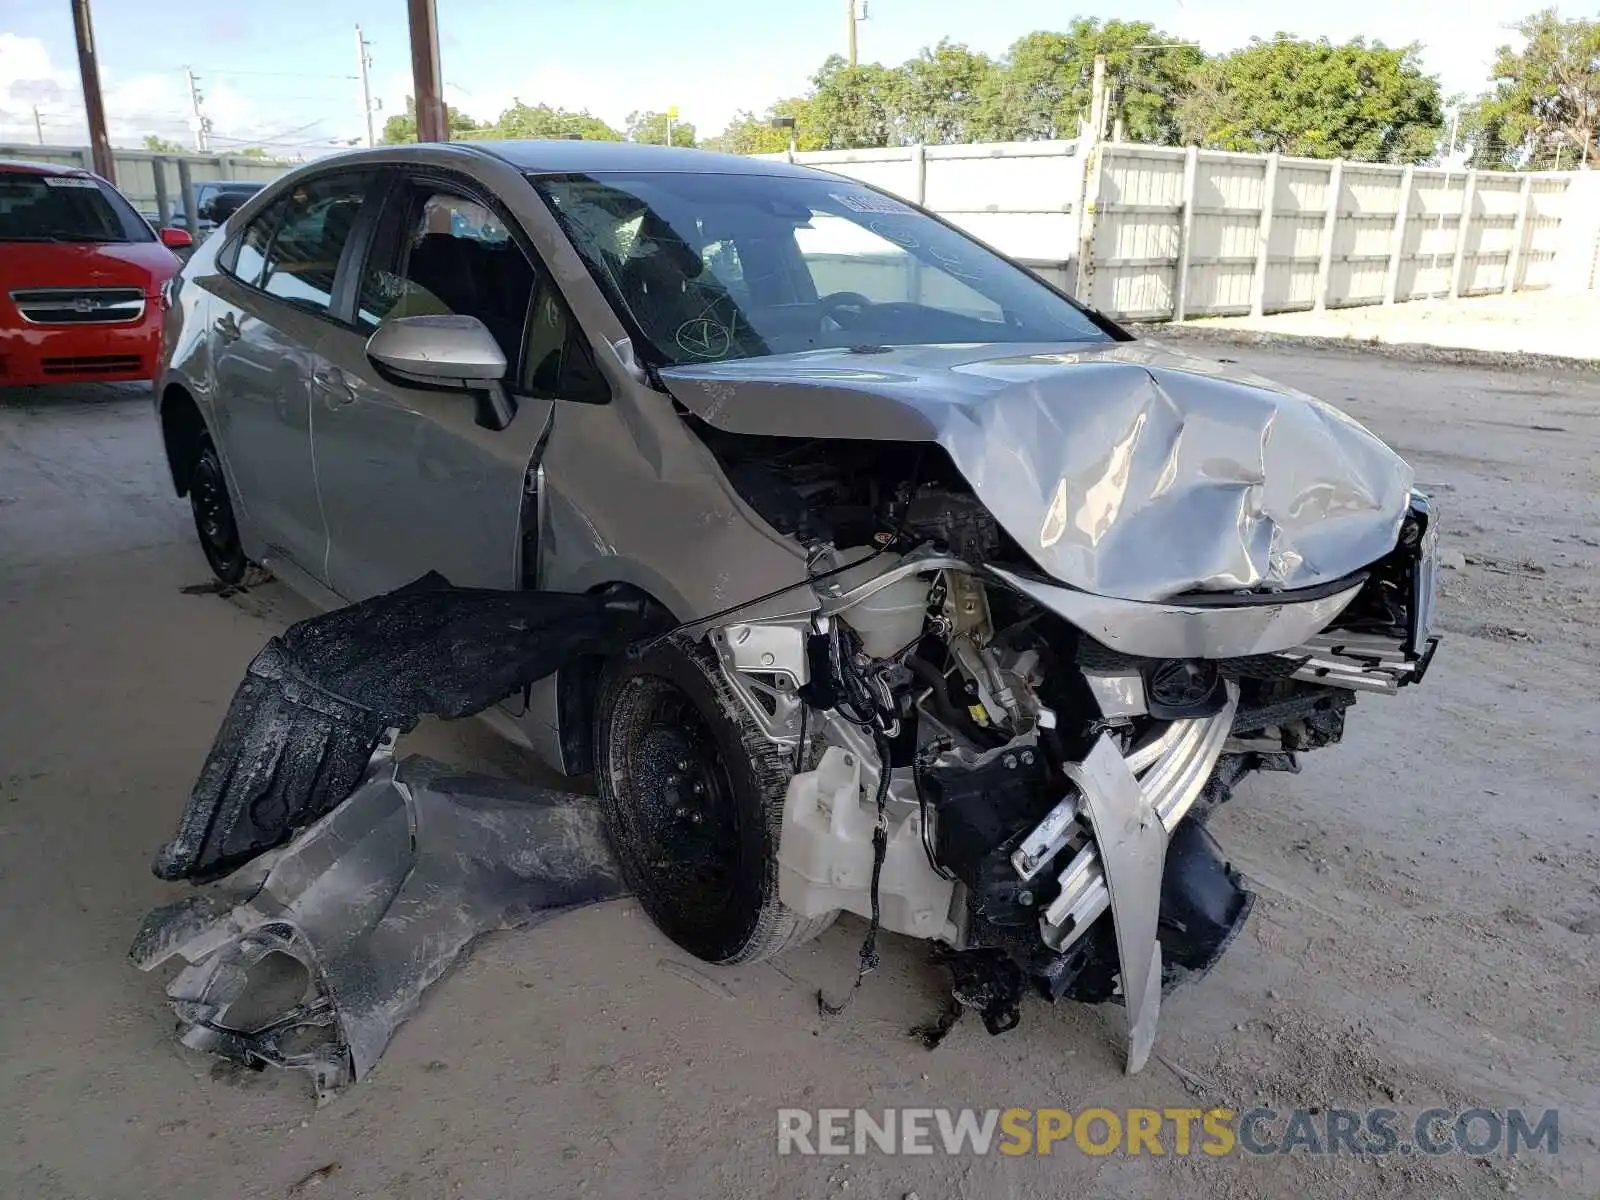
692 794
214 521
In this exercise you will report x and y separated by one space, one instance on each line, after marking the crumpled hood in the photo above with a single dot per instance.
1124 470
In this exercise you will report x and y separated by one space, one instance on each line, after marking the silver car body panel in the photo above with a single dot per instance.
629 494
1122 470
1186 631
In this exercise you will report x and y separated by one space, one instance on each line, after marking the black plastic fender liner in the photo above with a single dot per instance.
287 753
316 702
1203 903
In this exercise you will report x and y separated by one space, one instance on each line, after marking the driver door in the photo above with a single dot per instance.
410 481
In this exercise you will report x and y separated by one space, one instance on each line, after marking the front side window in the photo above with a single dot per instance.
309 231
65 208
714 266
438 252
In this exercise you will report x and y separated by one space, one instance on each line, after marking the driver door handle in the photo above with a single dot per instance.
227 328
334 385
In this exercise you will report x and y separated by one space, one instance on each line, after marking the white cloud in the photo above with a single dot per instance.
140 105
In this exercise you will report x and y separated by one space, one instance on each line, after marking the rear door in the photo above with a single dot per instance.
272 305
410 482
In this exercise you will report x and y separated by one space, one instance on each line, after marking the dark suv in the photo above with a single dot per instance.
215 201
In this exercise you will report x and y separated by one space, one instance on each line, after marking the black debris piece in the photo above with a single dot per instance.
316 702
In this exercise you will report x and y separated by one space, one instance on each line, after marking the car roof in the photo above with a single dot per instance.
560 157
26 167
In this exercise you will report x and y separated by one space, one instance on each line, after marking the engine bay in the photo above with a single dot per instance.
940 723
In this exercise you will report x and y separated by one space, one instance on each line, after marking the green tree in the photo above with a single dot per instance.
403 128
1317 100
750 134
160 145
651 128
1545 104
253 152
541 121
854 106
1045 83
934 96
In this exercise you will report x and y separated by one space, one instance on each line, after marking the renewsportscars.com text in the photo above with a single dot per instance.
1161 1131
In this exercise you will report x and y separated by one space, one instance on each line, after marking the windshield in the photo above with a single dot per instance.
65 208
713 266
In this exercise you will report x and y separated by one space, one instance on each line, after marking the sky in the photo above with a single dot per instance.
282 74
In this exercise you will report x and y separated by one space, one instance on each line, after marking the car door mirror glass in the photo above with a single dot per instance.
443 350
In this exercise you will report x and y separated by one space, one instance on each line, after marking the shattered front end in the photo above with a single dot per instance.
1021 770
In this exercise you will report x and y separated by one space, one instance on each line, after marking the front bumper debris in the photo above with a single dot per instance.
349 882
364 910
320 700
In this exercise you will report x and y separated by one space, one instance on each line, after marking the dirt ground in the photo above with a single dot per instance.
1427 933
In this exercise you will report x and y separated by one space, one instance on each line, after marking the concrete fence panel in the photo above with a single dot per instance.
1172 232
136 169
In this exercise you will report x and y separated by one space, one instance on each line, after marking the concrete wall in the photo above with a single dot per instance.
136 169
1169 233
1020 197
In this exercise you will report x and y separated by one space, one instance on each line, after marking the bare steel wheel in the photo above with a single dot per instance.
214 521
693 798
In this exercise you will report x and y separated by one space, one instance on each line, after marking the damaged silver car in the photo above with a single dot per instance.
969 607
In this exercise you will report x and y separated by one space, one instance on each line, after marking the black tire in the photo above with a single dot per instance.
703 863
214 523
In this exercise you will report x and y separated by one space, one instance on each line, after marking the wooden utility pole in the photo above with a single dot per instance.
105 165
852 6
432 125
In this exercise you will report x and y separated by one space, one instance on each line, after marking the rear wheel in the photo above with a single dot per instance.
214 521
693 799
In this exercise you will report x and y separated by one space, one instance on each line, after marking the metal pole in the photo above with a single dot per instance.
852 7
105 165
158 170
38 126
432 125
191 219
366 90
199 118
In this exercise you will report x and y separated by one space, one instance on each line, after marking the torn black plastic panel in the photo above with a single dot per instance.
316 702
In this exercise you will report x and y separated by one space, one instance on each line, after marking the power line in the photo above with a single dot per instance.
283 74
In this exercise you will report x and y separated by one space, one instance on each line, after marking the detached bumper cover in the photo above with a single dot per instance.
368 907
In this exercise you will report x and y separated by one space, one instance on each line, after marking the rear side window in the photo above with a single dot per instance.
292 249
251 254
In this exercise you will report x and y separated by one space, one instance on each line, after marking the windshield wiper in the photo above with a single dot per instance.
80 237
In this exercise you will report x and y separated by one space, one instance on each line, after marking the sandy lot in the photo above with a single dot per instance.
1428 929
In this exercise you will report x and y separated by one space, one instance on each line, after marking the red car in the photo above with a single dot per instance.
82 277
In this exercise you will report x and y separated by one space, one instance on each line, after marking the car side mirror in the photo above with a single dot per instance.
176 239
449 352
